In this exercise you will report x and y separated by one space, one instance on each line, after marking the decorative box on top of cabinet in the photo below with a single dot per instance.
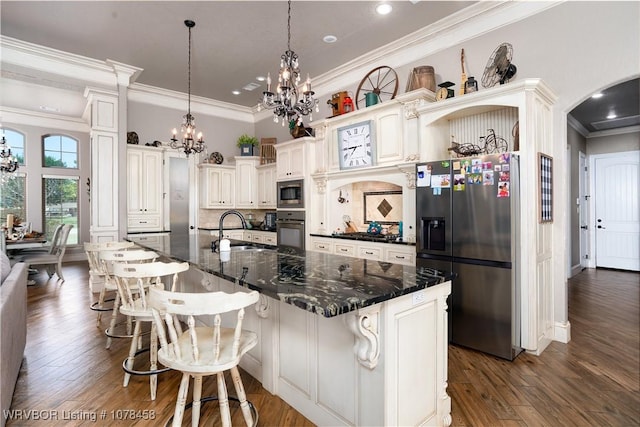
217 186
144 189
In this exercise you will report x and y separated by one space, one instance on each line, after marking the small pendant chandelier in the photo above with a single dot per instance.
8 163
190 143
286 103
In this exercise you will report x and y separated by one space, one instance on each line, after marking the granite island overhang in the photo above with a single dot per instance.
379 327
325 284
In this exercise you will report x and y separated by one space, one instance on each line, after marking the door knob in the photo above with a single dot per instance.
584 227
601 227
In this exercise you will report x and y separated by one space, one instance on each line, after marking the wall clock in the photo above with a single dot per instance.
356 145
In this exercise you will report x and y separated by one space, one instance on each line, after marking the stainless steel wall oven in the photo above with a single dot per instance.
290 230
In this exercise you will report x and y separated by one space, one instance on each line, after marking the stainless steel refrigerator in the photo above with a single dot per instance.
467 222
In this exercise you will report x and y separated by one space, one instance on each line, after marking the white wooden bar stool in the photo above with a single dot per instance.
133 280
97 277
201 351
108 258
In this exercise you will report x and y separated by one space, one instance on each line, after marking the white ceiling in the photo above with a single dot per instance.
233 42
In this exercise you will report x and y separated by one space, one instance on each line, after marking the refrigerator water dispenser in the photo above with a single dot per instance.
433 235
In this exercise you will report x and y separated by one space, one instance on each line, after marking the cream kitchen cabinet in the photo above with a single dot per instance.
217 186
263 237
290 159
393 130
247 182
388 252
144 189
266 177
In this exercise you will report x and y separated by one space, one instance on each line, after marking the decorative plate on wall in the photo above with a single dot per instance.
216 158
132 138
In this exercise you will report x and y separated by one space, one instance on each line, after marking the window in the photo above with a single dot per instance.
60 151
15 140
13 197
61 205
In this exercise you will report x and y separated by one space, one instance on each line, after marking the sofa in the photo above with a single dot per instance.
13 324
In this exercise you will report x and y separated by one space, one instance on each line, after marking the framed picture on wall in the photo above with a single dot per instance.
545 188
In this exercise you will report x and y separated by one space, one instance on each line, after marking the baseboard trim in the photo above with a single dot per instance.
575 269
562 332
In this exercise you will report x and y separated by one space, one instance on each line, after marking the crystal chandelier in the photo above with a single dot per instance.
189 143
8 163
286 103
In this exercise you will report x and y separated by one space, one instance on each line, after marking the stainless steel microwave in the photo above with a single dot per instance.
291 194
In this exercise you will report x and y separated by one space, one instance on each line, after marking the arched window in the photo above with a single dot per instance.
59 151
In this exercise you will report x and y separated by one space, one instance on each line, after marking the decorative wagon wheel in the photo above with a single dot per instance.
383 81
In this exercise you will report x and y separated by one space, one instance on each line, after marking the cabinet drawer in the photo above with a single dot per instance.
344 249
370 253
401 257
257 238
147 222
322 246
271 240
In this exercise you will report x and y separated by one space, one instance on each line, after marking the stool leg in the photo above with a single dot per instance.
242 396
132 352
197 394
153 358
181 401
225 414
114 318
100 303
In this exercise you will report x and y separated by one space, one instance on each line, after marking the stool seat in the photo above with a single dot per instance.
200 351
133 282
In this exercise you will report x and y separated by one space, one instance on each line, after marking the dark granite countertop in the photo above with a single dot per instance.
326 284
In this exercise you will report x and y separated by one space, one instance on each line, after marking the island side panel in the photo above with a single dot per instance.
412 362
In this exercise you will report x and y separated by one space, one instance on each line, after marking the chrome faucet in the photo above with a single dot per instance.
220 225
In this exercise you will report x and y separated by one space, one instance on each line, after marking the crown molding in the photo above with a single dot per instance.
33 56
178 100
46 120
577 126
611 132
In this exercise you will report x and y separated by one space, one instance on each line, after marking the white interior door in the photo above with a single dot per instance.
617 216
583 206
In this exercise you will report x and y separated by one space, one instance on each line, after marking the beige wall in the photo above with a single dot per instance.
613 143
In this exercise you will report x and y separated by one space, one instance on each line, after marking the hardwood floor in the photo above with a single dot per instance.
592 381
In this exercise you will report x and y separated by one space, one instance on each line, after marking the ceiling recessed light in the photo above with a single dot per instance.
236 92
597 95
383 9
329 38
612 116
261 78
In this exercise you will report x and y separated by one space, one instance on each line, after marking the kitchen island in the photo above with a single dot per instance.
345 341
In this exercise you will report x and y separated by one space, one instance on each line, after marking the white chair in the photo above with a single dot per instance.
134 303
107 258
96 276
46 248
55 255
201 351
